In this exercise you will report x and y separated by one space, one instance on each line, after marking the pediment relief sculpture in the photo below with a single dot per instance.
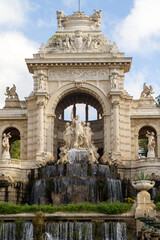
77 42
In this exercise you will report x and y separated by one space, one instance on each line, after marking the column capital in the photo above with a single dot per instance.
115 103
40 104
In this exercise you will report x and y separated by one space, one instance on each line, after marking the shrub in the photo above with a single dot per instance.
103 207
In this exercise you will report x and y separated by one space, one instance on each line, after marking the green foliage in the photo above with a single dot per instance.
103 207
157 101
15 149
143 146
157 198
158 206
142 176
19 228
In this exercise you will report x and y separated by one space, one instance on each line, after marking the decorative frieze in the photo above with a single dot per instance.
74 74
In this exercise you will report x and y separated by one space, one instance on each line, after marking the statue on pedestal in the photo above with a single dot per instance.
5 146
11 93
78 143
151 144
147 91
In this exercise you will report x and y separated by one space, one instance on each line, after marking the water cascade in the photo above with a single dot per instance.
12 231
66 231
75 183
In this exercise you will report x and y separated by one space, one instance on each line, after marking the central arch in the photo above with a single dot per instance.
69 95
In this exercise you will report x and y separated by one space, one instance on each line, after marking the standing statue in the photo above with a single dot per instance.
5 146
78 137
67 135
147 91
151 144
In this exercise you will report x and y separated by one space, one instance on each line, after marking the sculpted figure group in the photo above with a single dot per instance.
78 135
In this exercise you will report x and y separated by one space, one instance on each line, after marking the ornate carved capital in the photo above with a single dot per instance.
115 103
40 104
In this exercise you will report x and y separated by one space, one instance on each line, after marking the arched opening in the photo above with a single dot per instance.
143 141
14 142
88 108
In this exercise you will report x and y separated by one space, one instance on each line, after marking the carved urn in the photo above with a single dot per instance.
143 184
144 204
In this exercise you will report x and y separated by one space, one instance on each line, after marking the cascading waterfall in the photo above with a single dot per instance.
85 231
8 231
67 231
75 183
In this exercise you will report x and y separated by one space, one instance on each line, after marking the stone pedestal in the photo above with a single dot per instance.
77 156
12 103
144 205
151 154
6 155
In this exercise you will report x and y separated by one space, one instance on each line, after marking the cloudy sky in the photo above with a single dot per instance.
133 24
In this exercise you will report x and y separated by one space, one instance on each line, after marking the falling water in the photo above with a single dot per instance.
67 231
27 231
8 231
114 231
75 183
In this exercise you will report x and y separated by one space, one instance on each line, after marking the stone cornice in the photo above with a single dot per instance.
111 63
145 116
9 117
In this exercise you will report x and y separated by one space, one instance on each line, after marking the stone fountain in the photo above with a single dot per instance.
77 176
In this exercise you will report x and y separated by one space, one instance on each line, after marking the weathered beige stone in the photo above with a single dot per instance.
80 59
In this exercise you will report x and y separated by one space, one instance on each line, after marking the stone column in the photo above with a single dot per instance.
50 133
87 113
116 126
40 134
136 139
105 133
158 146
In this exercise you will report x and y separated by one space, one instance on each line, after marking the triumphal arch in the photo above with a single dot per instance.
78 65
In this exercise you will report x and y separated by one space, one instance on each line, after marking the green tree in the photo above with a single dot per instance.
15 149
157 101
143 148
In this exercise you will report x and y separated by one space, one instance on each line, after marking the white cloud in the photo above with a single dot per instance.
13 12
14 48
140 30
134 82
135 79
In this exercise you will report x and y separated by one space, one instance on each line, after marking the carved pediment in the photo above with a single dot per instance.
79 42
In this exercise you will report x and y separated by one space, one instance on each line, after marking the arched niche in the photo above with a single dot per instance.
97 125
14 141
143 140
